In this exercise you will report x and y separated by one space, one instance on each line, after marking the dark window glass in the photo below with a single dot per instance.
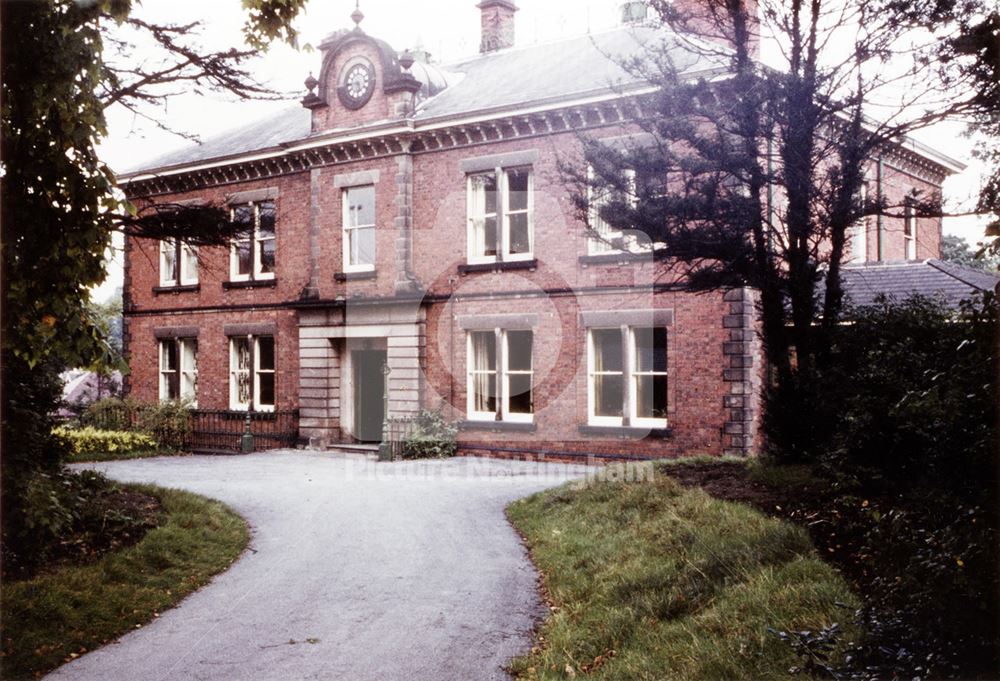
651 349
608 399
490 236
520 393
651 396
266 390
519 242
607 349
267 218
517 187
265 360
519 350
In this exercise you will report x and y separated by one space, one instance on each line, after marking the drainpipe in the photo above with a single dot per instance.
881 218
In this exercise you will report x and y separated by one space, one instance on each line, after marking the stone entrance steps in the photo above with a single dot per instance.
369 451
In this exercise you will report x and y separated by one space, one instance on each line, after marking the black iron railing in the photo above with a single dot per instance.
221 430
395 430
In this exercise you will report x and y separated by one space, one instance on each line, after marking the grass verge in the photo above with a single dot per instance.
647 580
55 617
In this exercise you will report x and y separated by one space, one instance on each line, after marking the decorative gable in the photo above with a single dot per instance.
361 80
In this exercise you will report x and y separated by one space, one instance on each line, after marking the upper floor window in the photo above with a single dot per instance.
178 263
607 239
253 250
179 369
910 232
359 228
500 204
251 373
627 376
857 233
500 375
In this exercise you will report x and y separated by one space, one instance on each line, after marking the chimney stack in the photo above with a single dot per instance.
497 21
634 12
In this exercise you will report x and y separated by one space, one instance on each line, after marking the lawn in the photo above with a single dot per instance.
649 580
58 615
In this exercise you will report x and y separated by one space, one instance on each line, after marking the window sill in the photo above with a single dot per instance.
615 258
498 426
186 288
250 283
355 276
631 432
499 266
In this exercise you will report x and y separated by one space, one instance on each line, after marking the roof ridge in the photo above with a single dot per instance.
545 43
949 268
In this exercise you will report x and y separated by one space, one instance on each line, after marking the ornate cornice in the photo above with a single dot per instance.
445 136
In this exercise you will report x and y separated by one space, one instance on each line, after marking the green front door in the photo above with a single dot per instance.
369 394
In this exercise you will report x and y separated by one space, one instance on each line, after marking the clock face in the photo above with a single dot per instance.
357 85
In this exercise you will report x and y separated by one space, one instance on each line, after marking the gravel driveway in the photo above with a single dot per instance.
375 571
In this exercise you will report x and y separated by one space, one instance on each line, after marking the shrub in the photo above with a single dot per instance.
169 423
109 414
432 437
58 508
88 441
901 417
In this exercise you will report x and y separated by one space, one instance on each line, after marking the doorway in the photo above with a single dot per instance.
369 394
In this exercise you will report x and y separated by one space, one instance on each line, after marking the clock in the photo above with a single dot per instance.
357 83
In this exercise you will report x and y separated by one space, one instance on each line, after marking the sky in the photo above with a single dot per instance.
448 29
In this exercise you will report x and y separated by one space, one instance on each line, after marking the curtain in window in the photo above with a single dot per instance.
168 262
240 384
484 362
608 368
189 369
189 264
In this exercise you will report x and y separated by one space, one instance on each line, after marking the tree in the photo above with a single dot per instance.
755 179
62 69
957 250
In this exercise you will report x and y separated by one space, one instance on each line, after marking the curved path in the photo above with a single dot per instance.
356 571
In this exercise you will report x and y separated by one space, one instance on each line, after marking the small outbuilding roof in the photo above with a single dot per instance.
947 280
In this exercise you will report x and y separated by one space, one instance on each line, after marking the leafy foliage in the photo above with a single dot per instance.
167 423
432 437
70 516
957 250
906 431
61 68
89 441
81 605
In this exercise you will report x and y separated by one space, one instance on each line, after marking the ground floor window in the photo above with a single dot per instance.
179 369
627 376
251 373
500 375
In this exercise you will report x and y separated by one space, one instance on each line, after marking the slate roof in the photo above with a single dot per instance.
505 79
953 283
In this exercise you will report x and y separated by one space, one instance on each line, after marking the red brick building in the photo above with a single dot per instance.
411 215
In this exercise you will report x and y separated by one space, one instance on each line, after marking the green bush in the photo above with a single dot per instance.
88 440
902 420
432 437
169 423
59 507
109 414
